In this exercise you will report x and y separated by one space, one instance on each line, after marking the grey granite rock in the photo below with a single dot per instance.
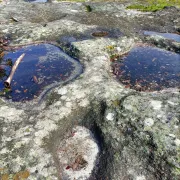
137 133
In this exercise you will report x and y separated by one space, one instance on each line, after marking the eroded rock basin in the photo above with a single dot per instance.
78 154
43 67
139 130
148 69
41 1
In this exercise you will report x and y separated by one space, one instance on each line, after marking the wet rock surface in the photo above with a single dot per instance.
129 134
170 36
36 1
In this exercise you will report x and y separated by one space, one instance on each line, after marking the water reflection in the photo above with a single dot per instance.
171 36
43 64
148 69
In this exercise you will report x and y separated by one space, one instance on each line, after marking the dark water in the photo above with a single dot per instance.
148 69
42 66
36 0
171 36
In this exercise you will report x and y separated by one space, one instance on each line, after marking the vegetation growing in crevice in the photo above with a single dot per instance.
88 8
113 53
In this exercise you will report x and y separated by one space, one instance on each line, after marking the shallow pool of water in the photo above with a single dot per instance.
148 69
171 36
36 0
43 66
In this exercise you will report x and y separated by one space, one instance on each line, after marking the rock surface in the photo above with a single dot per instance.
136 134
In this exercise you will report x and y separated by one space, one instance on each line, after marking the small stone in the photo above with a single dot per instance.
4 129
3 151
172 135
9 139
63 97
156 105
148 122
69 104
140 178
62 91
110 116
177 142
171 103
119 49
84 103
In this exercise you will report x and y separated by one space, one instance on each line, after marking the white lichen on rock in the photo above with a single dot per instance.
177 142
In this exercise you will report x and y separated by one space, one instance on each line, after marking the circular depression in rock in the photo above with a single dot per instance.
100 34
43 67
148 69
36 0
78 154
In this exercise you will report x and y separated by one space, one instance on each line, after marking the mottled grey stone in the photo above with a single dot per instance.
138 131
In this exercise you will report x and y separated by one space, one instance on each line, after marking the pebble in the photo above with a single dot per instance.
172 135
110 116
62 91
156 105
149 122
177 142
140 178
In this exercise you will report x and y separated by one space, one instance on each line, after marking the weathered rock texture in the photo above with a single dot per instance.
137 133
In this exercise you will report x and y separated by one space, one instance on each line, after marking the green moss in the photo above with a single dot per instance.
172 2
154 5
27 130
88 8
151 8
116 103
